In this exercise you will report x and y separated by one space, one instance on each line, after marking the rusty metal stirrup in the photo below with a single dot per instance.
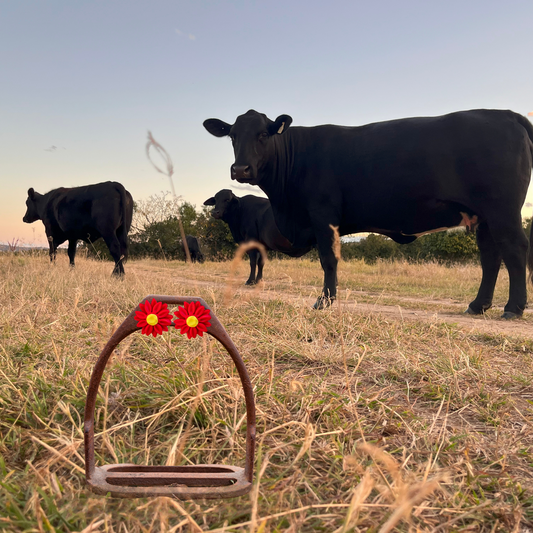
183 482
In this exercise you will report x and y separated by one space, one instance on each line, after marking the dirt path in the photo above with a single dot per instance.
406 310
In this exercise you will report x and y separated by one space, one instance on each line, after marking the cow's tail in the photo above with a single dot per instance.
530 253
526 124
126 221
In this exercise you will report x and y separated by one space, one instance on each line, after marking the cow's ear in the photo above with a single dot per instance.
280 124
210 201
217 127
31 193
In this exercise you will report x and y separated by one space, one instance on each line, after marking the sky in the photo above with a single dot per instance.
82 82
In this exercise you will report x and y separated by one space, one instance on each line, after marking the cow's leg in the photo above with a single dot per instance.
490 263
513 244
328 261
252 254
260 265
115 250
123 240
52 249
72 250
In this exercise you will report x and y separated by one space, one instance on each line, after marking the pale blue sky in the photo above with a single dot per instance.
91 77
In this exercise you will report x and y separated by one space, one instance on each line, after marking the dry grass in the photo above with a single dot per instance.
365 422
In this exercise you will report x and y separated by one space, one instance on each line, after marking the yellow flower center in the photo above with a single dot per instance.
192 321
152 319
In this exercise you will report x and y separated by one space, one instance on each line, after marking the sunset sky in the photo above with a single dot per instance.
81 82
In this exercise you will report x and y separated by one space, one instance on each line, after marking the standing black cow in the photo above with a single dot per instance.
250 218
84 213
194 249
400 178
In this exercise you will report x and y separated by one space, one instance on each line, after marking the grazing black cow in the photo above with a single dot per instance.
84 213
400 178
250 218
194 249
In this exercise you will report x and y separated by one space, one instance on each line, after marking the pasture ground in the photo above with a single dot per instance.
391 411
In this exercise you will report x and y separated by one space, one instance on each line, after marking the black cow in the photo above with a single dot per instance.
250 218
84 213
194 249
400 178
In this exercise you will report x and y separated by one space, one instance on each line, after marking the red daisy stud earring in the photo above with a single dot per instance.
153 318
192 319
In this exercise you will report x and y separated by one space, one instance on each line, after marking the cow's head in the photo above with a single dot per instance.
32 207
252 136
224 201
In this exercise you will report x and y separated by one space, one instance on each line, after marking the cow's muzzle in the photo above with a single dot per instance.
216 214
241 172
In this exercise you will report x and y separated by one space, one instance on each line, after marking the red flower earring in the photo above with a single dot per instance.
192 319
153 318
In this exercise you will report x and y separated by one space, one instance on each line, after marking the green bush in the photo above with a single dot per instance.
370 249
447 246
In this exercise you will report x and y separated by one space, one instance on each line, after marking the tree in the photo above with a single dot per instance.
155 227
215 236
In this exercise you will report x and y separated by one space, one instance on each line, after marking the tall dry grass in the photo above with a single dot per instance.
365 422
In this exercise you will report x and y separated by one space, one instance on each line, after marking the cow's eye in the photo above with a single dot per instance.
263 136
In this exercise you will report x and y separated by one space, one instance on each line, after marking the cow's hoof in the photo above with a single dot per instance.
251 282
323 302
507 315
481 311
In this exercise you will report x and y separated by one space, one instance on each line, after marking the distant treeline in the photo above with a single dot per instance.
452 246
155 234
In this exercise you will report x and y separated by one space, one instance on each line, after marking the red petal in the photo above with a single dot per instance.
181 312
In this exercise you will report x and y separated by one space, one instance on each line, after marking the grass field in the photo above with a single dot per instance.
367 420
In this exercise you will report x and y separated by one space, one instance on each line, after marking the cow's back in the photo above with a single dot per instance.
92 210
386 170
